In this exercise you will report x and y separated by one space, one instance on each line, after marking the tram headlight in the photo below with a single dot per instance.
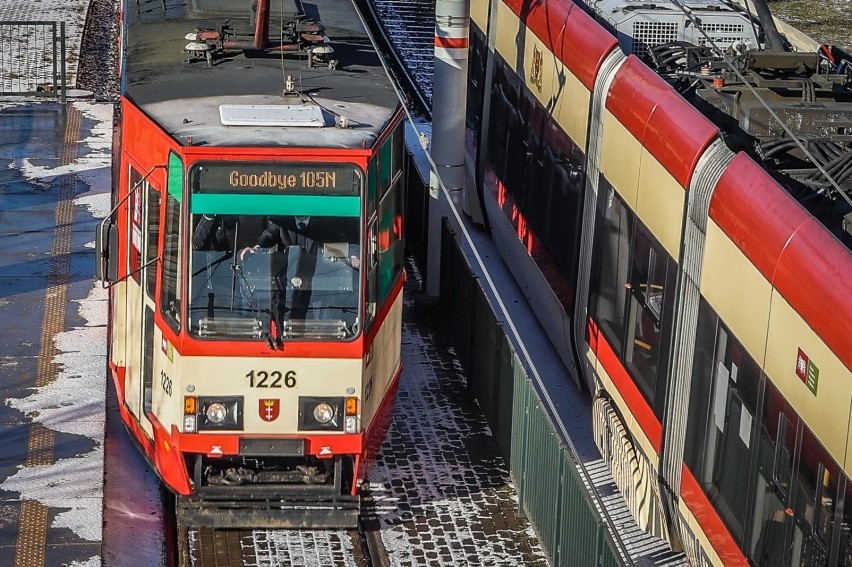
217 413
189 424
320 413
323 412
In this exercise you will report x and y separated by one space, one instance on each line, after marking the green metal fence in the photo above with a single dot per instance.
32 59
550 488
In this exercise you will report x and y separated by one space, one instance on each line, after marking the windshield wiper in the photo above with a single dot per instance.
257 312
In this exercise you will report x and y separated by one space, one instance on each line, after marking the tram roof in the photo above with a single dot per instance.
184 98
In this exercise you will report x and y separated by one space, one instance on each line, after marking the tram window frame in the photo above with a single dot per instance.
171 293
809 488
152 237
724 434
372 258
385 163
476 78
135 210
611 266
390 243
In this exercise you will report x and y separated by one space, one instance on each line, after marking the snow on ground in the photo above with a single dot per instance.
74 402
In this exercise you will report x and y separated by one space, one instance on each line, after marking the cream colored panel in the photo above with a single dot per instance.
572 101
620 156
228 375
479 13
167 391
568 102
737 291
695 528
539 69
384 361
660 203
827 412
508 26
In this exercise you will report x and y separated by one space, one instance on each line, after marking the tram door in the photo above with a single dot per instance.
144 220
133 298
149 277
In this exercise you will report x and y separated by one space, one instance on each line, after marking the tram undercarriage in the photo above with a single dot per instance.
270 492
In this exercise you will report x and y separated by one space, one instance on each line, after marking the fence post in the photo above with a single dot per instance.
62 58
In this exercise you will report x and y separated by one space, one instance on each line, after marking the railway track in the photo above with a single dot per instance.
408 27
209 547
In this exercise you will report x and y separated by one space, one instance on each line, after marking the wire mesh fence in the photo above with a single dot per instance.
32 58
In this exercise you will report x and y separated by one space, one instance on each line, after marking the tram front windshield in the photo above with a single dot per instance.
275 251
274 277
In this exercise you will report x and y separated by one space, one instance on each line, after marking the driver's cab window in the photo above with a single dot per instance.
274 277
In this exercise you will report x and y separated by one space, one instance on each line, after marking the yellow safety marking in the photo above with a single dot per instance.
32 522
32 534
40 445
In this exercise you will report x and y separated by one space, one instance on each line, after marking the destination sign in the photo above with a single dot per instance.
276 178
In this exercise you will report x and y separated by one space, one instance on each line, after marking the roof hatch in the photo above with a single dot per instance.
271 115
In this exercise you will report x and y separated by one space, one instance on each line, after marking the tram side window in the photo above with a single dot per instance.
845 543
475 78
384 163
699 394
170 297
390 241
652 281
565 210
814 495
372 258
612 264
723 407
152 241
170 292
776 439
135 219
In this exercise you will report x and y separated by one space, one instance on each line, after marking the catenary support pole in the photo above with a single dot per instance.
449 93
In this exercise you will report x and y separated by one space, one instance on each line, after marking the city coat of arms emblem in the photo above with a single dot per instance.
269 409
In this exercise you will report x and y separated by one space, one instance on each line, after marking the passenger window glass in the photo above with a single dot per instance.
648 289
700 392
152 241
135 219
845 556
612 257
813 502
170 296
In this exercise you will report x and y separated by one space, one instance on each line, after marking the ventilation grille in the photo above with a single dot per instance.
649 34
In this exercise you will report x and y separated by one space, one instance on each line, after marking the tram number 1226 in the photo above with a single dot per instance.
274 379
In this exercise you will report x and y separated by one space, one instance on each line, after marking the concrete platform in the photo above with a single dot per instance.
54 182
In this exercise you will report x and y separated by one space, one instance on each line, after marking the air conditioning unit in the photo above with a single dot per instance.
640 24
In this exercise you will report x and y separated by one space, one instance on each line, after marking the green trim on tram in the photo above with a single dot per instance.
308 205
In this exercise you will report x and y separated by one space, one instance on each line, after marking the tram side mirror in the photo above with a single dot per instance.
106 252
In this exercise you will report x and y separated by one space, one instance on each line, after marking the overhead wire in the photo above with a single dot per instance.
688 13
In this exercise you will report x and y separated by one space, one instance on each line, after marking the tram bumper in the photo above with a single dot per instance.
340 512
242 491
